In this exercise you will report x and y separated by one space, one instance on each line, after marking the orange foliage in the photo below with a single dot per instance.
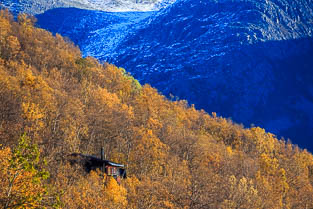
175 155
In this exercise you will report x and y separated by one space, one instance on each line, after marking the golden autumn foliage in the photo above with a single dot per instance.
175 155
21 177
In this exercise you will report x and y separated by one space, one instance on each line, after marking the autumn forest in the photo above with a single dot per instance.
54 102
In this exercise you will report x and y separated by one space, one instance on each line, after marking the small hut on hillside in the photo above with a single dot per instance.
90 163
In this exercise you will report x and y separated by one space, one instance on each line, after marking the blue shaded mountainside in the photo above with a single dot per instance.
97 33
248 60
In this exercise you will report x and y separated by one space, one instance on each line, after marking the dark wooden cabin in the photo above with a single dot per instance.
90 163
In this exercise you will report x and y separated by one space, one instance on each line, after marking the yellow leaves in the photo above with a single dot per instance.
116 194
25 20
152 194
5 27
4 163
246 187
103 97
10 82
241 194
32 111
29 79
179 157
9 44
268 165
214 159
131 184
150 108
85 192
117 156
117 81
282 174
265 142
13 45
33 116
229 150
152 122
149 153
35 87
21 177
272 181
94 190
109 105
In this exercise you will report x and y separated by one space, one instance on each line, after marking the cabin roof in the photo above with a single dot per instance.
106 162
97 161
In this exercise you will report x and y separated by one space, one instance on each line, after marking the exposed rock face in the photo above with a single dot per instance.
39 6
97 33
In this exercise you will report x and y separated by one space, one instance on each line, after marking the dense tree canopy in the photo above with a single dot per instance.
176 156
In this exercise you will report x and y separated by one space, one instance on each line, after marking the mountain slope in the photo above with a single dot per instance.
175 155
248 60
245 60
